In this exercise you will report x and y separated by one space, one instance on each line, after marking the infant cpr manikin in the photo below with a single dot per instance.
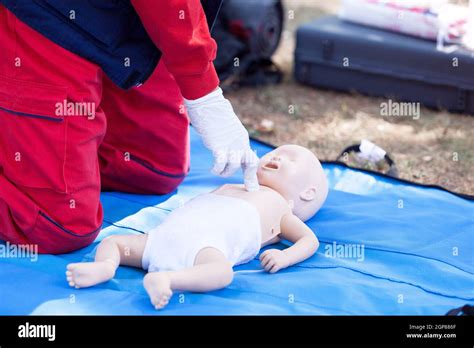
196 246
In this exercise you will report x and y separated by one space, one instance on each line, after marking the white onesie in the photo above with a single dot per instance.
230 225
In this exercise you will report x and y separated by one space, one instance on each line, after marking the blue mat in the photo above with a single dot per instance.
415 243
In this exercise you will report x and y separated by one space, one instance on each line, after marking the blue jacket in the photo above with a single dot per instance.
106 32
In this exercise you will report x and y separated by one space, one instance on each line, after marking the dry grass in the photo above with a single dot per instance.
435 149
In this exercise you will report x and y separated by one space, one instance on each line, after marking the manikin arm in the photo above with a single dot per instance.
305 245
305 242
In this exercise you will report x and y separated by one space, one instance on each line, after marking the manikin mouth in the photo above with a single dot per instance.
272 165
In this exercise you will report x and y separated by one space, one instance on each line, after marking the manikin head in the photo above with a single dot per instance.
295 173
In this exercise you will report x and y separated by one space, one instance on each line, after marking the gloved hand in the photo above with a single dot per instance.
222 133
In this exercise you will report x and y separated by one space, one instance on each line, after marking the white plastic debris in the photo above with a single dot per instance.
371 152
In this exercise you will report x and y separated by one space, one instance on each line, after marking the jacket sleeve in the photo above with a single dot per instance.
179 29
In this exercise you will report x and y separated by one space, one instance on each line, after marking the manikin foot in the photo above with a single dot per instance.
83 275
158 287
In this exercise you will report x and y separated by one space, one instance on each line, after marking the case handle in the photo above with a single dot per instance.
373 153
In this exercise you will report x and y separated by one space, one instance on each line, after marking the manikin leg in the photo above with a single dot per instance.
111 253
211 271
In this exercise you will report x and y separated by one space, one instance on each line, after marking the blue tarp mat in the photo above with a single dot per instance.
417 256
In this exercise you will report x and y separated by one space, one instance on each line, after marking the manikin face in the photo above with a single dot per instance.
297 175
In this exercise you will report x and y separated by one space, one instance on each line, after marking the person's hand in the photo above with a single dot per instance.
222 133
273 260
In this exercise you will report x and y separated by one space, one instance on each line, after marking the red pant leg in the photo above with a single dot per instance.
49 171
146 147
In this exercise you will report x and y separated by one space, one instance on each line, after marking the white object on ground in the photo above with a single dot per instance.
429 19
371 152
469 38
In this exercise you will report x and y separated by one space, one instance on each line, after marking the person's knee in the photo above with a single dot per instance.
138 176
53 222
53 237
152 183
164 187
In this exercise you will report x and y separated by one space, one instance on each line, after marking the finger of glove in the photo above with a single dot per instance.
230 169
220 162
234 159
249 168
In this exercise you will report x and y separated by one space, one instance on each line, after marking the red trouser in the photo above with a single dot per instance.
53 161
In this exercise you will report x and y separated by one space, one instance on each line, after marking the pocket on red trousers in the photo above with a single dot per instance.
32 135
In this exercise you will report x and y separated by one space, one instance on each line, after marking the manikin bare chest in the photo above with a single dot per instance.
269 203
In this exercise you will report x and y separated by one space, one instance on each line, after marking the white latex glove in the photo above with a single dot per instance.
222 133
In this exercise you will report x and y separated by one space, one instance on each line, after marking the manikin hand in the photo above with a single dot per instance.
273 260
222 132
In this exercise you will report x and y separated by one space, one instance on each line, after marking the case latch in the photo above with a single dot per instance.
328 49
305 73
462 100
